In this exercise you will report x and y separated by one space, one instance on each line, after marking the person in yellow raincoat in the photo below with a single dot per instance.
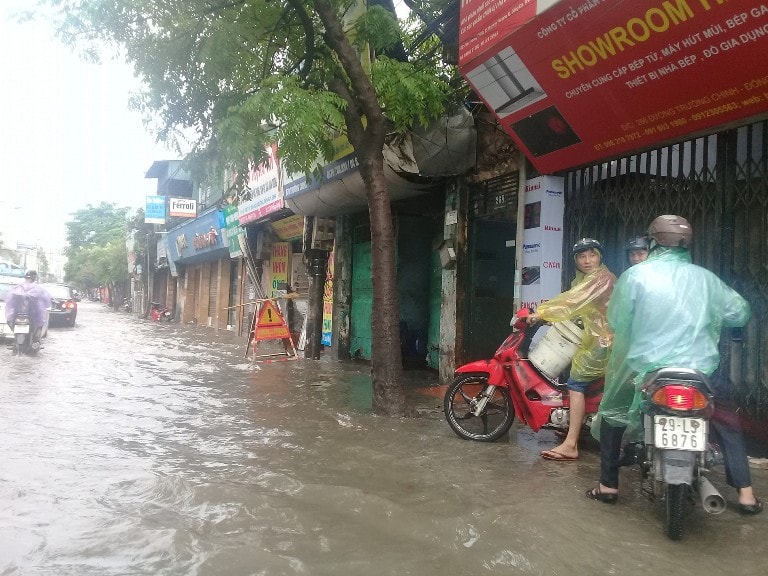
587 299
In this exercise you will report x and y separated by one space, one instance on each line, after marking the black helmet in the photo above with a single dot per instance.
637 243
587 244
671 231
30 274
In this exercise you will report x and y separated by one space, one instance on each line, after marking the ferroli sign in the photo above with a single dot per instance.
183 207
578 81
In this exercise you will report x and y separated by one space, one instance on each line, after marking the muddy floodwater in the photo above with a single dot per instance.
133 448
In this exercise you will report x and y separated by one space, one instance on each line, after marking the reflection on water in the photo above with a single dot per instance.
136 448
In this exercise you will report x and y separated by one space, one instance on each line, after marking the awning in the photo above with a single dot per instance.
413 165
347 194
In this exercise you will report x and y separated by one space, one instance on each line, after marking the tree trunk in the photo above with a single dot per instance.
368 143
386 361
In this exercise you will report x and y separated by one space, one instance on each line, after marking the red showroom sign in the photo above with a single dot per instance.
578 81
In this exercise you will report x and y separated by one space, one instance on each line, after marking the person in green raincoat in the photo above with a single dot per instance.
587 299
666 312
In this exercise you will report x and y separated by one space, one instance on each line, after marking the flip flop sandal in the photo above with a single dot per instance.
557 457
595 494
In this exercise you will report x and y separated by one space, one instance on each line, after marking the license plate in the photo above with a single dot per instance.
675 433
21 329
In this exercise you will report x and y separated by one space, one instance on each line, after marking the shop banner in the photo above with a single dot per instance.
264 192
198 238
289 228
232 226
541 274
483 22
154 211
587 80
278 264
298 184
343 163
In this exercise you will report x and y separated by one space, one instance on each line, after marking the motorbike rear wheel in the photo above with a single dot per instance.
18 344
675 505
460 399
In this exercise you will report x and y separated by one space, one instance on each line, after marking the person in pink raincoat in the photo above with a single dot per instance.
30 298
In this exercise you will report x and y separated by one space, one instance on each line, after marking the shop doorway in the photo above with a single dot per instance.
490 264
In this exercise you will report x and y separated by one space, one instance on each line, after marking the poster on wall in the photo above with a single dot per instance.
541 274
278 265
326 339
575 82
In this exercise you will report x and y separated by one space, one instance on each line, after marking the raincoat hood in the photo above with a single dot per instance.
664 312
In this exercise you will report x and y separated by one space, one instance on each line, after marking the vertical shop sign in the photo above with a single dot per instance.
232 226
542 240
328 304
279 267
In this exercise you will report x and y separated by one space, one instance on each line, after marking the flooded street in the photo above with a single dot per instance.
132 448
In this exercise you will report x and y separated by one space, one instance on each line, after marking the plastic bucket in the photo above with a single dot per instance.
555 351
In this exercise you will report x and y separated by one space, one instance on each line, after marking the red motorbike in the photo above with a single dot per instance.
482 401
160 312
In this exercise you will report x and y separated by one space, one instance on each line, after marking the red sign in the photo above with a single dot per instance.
587 80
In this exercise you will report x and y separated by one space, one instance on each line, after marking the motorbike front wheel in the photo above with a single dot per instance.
462 396
675 504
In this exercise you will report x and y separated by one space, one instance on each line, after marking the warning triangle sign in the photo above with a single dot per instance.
269 316
270 324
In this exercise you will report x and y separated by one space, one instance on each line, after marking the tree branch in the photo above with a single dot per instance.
362 90
309 38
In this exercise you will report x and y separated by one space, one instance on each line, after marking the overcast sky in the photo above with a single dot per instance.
67 136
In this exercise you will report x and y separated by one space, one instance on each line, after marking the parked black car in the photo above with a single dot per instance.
63 304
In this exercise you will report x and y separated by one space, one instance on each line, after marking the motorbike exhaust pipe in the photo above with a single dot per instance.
711 499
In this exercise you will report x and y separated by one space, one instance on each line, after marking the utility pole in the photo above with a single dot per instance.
318 270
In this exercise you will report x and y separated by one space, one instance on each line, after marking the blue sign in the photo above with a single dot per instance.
203 239
154 213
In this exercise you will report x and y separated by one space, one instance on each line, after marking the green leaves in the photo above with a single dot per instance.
408 94
96 252
378 28
302 120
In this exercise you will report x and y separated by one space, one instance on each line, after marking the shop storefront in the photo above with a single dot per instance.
199 251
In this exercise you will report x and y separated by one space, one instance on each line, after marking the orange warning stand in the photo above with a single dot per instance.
268 324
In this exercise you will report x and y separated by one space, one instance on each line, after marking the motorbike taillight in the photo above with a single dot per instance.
680 397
